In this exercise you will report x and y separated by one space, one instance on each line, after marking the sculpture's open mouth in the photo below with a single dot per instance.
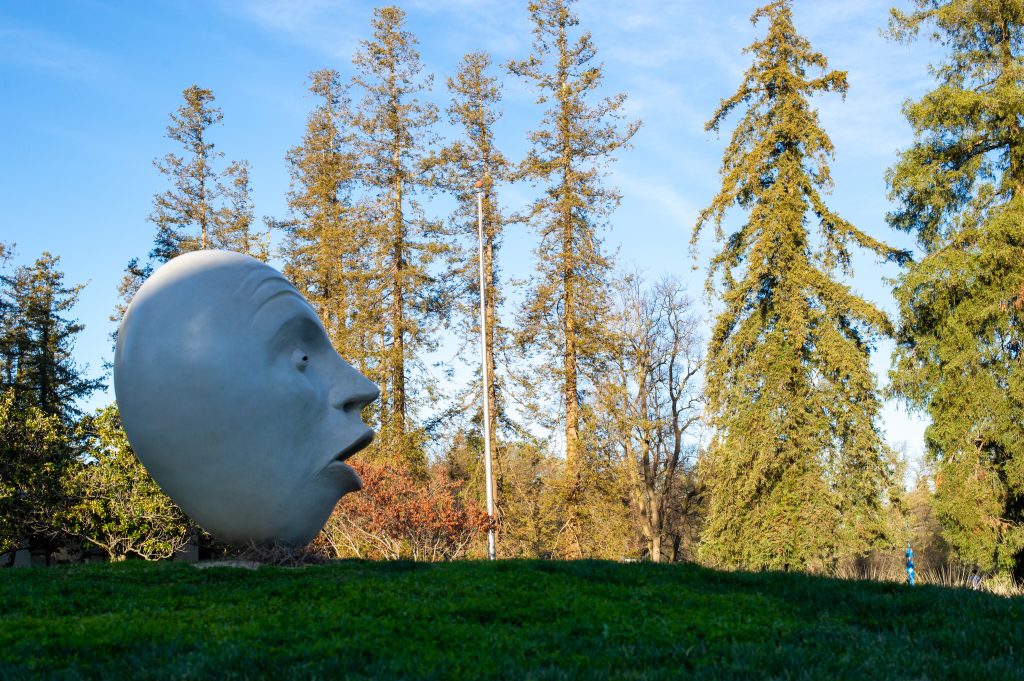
346 476
360 442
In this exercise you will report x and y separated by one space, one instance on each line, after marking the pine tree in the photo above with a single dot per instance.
185 215
798 465
568 300
9 326
327 245
958 189
393 137
473 158
235 217
39 340
205 207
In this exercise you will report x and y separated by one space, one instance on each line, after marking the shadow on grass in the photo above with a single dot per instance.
510 619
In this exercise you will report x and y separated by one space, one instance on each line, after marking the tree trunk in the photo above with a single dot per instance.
203 224
572 416
490 316
398 306
655 542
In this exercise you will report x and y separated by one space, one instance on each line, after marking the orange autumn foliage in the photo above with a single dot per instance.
396 516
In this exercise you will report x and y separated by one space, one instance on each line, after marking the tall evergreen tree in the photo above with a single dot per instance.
185 214
575 140
959 189
235 231
8 321
39 339
327 246
797 465
393 137
473 158
205 207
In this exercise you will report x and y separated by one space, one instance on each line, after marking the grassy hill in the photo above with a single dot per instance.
506 620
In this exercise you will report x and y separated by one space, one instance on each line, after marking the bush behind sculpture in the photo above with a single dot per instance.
113 503
33 454
398 516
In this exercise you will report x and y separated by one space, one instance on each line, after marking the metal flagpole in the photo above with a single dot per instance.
486 383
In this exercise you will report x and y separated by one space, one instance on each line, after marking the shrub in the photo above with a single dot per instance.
114 503
398 516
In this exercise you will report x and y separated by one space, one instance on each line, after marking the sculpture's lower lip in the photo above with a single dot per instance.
345 474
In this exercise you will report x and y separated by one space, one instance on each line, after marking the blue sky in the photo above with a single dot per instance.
87 87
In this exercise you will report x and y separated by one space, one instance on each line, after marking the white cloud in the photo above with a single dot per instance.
660 196
40 50
332 28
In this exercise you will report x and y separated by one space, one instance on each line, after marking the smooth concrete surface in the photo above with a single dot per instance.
235 401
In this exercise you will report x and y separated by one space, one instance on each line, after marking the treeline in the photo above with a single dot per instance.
613 435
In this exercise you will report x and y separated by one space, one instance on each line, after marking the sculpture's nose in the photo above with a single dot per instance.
354 392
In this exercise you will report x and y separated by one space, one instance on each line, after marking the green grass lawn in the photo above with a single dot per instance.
506 620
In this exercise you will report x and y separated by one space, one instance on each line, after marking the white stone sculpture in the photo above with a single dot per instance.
235 401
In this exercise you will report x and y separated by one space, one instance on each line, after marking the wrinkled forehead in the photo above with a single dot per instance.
262 290
208 299
227 286
270 301
254 304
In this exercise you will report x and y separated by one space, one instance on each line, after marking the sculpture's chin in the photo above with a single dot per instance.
298 521
344 476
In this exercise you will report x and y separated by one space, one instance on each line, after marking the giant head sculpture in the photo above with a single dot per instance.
235 401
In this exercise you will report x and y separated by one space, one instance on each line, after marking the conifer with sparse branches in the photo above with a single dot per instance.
40 386
393 136
191 214
566 305
474 157
204 207
37 338
798 466
327 247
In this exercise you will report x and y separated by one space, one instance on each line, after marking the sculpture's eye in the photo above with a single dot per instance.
300 359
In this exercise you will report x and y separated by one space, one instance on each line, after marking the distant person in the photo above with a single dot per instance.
974 581
910 565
